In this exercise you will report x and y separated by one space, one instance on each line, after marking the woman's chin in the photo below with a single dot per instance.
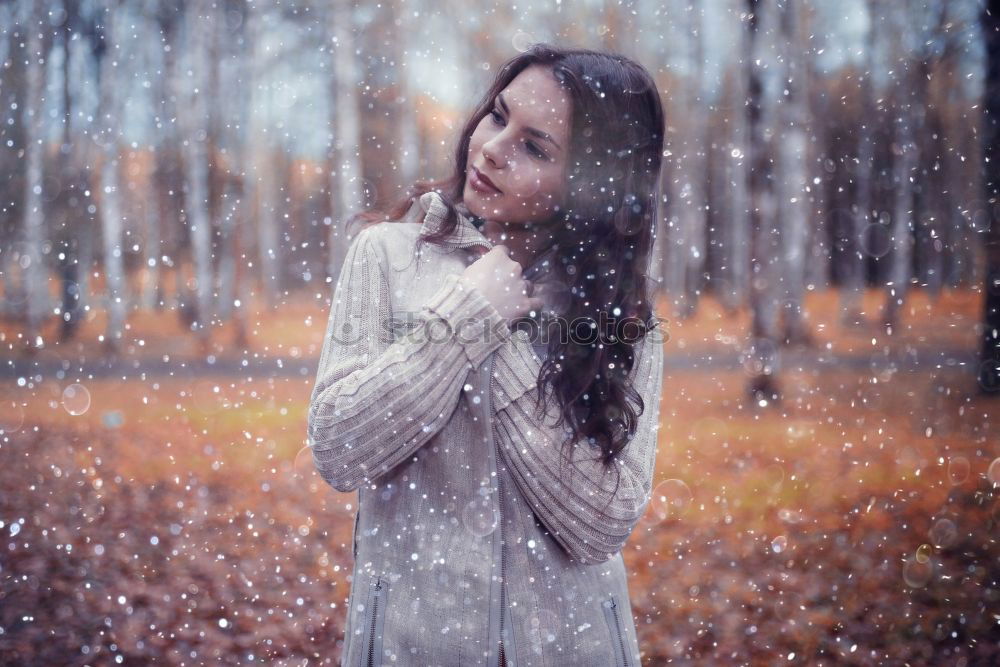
478 202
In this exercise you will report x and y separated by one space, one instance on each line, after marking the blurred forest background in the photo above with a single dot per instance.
174 178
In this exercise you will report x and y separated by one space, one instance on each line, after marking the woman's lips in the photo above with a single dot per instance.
481 183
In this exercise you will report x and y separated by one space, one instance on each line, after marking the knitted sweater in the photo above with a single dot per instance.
461 484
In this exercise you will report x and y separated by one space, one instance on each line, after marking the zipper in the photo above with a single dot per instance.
488 385
377 593
503 571
614 624
354 533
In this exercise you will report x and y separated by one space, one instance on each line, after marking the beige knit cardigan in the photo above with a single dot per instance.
436 428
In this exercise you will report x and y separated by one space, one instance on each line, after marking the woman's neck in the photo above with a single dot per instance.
526 241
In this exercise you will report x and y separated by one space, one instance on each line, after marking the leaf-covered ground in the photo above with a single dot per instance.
178 520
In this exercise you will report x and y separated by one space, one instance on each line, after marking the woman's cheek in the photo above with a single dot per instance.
527 183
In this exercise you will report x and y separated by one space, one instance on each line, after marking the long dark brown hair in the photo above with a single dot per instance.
604 234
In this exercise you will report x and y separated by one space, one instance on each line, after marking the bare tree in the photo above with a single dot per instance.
262 183
731 199
905 159
989 355
235 209
36 275
13 90
167 180
77 227
765 79
406 126
853 265
110 205
686 246
817 269
792 151
193 115
346 190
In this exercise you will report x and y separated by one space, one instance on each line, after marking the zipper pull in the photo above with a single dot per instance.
378 583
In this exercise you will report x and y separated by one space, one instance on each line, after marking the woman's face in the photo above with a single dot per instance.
522 147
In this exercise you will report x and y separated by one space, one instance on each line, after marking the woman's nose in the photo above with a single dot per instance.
494 155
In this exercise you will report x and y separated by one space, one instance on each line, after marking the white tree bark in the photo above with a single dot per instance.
686 249
151 290
408 128
110 204
346 190
236 83
193 114
262 181
792 149
36 282
765 75
737 250
905 159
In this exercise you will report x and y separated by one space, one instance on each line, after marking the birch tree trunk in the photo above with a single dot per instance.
167 161
686 251
793 146
346 191
853 263
989 352
77 224
36 283
13 90
110 205
151 295
407 128
817 271
764 86
263 181
737 251
905 158
234 213
194 131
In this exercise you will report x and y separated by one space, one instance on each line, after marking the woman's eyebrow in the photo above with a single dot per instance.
530 130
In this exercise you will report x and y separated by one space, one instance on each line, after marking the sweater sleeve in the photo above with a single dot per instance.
377 399
578 503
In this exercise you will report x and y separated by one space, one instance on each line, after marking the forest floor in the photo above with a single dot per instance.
175 515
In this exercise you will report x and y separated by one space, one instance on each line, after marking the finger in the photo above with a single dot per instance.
532 304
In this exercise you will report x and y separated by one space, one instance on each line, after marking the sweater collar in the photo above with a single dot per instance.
467 233
436 211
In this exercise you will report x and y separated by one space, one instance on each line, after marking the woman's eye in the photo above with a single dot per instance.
535 149
532 147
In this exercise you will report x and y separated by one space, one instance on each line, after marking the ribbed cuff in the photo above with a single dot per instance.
516 370
477 325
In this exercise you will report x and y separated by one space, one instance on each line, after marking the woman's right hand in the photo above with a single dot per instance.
498 278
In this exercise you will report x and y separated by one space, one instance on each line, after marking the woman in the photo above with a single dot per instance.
500 472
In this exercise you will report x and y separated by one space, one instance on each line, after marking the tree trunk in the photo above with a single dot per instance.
905 158
737 160
989 354
685 251
854 262
764 72
194 126
345 191
263 179
35 274
110 205
792 150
